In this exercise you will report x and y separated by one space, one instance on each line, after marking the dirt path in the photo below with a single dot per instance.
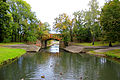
29 48
108 49
80 49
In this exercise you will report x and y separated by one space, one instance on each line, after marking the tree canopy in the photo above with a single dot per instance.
110 21
18 23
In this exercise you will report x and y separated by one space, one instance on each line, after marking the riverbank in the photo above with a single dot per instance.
104 51
113 53
12 51
9 54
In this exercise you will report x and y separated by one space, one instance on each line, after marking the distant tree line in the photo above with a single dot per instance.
91 25
18 23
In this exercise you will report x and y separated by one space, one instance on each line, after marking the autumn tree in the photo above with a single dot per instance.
43 31
63 24
110 21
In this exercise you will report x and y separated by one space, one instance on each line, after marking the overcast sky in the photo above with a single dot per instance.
47 10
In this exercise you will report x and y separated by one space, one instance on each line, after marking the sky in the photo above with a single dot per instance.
48 10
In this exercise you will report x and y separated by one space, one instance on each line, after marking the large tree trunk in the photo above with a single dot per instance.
4 0
110 44
12 37
65 43
71 36
15 37
1 39
45 44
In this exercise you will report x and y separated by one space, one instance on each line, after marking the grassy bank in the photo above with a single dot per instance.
96 44
7 54
113 53
13 43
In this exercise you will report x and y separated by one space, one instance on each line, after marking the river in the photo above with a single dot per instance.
55 64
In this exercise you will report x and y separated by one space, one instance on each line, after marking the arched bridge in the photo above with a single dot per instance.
56 37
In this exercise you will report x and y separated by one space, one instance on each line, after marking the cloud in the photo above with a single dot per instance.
47 10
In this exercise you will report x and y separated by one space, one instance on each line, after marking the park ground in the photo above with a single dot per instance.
113 52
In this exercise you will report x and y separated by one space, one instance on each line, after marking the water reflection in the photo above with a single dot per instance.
103 60
54 48
60 66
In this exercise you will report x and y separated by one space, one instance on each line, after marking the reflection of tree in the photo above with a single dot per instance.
85 66
25 65
42 57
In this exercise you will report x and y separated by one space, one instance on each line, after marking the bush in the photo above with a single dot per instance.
6 40
31 39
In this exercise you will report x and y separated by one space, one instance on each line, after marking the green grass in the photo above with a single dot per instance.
113 53
10 53
13 43
95 44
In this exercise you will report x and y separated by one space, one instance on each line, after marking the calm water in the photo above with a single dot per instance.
60 66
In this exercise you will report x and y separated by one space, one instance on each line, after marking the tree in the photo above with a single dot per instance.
80 31
43 31
93 14
24 23
5 21
4 0
110 21
63 24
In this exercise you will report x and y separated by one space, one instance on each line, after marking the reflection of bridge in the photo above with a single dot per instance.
56 37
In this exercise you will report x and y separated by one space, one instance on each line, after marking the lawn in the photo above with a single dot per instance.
113 53
13 43
9 53
96 44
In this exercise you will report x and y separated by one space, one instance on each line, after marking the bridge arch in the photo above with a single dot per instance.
51 37
48 40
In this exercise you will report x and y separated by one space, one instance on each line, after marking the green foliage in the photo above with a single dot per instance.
31 38
17 22
86 24
7 40
92 20
110 21
5 20
24 21
80 31
43 31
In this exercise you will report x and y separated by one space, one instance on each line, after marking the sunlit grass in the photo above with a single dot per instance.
96 44
10 53
112 53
